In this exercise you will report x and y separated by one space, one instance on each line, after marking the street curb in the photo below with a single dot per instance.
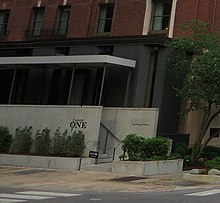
212 179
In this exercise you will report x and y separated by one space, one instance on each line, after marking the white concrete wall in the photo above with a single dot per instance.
44 162
124 121
148 167
52 117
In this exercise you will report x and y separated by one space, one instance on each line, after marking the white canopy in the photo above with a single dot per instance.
76 59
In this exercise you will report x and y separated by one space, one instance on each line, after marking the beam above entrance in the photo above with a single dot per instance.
77 60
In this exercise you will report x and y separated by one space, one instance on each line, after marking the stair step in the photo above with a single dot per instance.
106 167
104 160
103 156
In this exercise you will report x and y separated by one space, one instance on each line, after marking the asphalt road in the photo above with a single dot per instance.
52 186
202 195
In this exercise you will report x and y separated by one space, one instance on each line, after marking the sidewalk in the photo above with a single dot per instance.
57 180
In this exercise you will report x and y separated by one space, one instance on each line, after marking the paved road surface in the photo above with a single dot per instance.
205 195
53 186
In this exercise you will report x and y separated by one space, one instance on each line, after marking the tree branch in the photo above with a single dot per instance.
209 121
210 138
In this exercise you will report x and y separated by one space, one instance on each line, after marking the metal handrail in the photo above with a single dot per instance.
107 135
102 124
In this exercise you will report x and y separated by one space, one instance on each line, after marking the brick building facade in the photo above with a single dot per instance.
133 30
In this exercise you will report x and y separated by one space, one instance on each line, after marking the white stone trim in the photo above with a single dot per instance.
147 17
81 59
39 3
172 19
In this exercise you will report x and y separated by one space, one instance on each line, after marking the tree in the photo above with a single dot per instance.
195 59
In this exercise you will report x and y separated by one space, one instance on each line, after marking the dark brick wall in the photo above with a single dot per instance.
204 10
127 20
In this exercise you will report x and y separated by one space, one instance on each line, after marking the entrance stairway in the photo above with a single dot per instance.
104 167
103 163
107 143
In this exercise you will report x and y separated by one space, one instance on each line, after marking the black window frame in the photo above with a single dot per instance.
37 25
108 20
4 25
62 9
165 22
212 131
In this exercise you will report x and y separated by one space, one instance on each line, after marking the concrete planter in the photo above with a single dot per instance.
148 167
44 161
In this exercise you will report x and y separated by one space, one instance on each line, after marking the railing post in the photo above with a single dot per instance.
106 142
81 156
113 157
98 146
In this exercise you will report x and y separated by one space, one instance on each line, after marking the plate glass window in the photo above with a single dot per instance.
38 20
105 18
63 22
161 16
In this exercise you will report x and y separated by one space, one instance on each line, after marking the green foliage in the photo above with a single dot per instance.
184 152
132 146
23 140
213 164
183 149
210 152
67 145
138 148
76 143
195 59
59 143
42 141
5 139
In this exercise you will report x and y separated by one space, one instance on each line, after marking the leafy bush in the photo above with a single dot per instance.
183 149
210 152
42 141
75 144
132 146
23 140
156 147
184 152
5 139
59 143
67 145
213 164
138 148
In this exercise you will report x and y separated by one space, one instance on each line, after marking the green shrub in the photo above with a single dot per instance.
183 149
156 147
213 164
23 140
67 145
184 152
132 146
75 144
210 152
5 139
42 141
138 148
60 143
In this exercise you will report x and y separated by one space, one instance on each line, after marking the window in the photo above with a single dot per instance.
4 15
105 18
38 19
161 15
214 131
63 21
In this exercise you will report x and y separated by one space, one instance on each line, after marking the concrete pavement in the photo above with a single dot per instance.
60 180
